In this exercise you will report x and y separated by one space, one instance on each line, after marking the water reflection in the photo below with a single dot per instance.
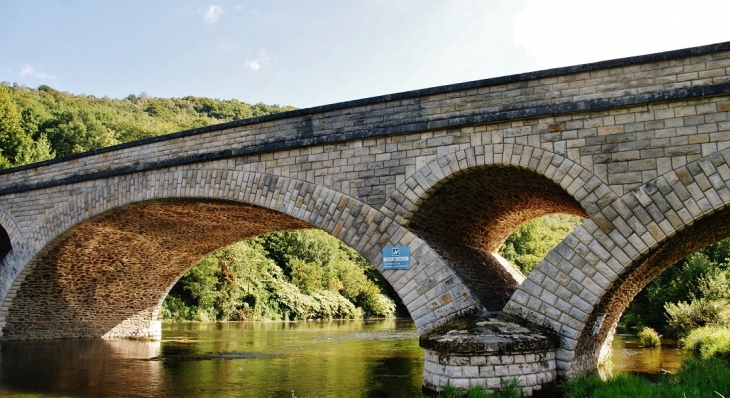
79 367
630 356
323 359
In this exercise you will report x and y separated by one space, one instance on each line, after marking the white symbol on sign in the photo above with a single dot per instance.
396 252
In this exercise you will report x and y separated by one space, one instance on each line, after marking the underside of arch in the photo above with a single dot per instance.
606 314
107 276
468 217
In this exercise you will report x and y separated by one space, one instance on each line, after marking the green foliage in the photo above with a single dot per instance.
709 305
709 341
306 276
16 145
702 377
623 385
40 124
534 239
649 337
342 270
695 378
689 294
317 279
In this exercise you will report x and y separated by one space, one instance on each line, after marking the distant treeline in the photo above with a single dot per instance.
44 123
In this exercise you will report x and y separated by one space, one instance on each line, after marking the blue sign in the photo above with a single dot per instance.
396 257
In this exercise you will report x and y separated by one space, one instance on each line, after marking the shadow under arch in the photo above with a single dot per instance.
107 276
467 217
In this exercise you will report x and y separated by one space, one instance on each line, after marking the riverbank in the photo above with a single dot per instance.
697 377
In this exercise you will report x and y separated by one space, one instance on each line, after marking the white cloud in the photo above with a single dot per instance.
33 72
212 13
260 60
238 7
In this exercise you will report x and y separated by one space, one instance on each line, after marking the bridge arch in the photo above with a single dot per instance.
581 288
466 204
132 209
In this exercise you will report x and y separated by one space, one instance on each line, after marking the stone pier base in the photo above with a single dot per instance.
488 351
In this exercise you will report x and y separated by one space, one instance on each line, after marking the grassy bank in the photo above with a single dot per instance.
697 377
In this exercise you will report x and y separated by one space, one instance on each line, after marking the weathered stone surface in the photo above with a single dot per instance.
487 350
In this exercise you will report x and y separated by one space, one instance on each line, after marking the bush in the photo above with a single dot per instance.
649 337
684 317
710 307
709 342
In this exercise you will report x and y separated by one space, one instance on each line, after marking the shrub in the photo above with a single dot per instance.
649 337
709 342
709 307
684 317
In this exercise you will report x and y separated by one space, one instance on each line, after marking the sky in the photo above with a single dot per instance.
315 52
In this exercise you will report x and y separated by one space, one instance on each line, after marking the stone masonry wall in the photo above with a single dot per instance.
532 370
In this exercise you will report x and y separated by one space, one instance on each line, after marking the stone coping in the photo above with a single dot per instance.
489 333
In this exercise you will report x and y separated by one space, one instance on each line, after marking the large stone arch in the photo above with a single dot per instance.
581 288
430 290
467 203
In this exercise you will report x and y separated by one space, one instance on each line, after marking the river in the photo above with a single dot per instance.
250 359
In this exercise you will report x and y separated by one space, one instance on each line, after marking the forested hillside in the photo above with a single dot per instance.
40 124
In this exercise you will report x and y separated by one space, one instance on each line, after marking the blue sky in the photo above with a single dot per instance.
308 53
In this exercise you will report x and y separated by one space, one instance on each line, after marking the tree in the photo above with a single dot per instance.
14 142
532 241
76 131
690 293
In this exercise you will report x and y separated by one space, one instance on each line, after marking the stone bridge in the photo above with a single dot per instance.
639 147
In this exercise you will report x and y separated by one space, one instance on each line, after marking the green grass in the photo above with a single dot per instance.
696 378
510 389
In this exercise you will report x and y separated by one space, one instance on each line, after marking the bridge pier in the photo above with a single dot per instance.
489 350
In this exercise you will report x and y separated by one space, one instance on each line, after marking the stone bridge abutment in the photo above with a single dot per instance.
639 147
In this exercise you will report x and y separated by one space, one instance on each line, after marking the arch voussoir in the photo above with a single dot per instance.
569 290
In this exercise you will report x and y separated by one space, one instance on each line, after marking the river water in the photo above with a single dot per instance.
256 359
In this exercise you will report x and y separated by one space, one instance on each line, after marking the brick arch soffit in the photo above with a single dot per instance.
405 202
281 198
623 260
